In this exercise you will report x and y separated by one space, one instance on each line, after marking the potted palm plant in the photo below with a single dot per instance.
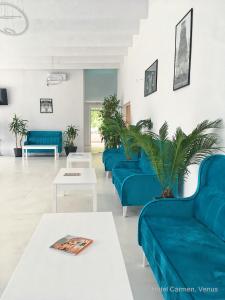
111 111
70 135
18 127
126 134
171 157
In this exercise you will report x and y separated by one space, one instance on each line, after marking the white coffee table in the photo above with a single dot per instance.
85 179
25 149
97 273
78 157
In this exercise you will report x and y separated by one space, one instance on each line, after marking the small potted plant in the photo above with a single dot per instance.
70 135
18 127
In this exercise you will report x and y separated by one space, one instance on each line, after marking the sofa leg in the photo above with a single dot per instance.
107 174
124 211
114 189
144 261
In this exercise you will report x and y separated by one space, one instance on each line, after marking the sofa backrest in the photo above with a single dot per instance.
44 138
145 164
210 200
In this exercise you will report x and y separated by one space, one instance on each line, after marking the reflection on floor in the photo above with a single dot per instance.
27 193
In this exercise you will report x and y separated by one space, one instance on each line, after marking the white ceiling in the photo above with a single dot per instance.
73 34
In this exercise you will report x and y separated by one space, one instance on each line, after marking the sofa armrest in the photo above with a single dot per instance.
127 164
139 189
173 207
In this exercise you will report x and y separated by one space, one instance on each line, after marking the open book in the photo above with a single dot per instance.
72 244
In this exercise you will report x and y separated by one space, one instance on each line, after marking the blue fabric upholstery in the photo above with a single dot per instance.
44 138
111 157
111 151
183 239
136 181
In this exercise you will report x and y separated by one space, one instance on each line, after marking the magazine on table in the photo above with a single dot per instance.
72 244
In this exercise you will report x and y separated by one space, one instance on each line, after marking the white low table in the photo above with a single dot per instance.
77 157
85 180
25 149
97 273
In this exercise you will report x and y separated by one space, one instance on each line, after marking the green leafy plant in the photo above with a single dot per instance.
18 127
70 135
111 110
171 157
127 134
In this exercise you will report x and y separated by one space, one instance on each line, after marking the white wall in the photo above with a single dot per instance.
205 96
25 88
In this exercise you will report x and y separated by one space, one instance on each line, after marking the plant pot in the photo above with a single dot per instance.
18 152
69 149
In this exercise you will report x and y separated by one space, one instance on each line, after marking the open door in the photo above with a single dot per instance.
127 113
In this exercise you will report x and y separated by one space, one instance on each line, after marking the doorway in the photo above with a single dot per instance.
97 144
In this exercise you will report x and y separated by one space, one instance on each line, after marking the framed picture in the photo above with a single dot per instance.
46 105
151 79
183 44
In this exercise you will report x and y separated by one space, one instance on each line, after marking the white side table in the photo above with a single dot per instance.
77 178
77 157
97 273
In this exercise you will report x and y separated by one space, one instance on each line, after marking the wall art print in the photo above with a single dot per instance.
151 79
183 45
46 105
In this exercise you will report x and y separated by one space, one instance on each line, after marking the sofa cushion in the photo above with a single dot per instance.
145 164
190 252
210 210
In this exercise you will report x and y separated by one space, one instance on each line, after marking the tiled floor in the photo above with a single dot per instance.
27 193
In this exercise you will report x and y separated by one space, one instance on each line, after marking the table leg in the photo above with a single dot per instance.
95 204
26 153
55 198
67 163
55 154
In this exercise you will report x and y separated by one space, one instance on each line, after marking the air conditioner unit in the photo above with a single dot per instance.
56 78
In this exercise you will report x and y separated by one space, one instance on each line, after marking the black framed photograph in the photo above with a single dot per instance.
151 79
183 45
46 106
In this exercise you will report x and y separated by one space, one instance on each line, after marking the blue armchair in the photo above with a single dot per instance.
136 182
184 239
44 138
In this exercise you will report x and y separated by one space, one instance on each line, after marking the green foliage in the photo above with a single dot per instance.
172 157
127 134
96 121
70 135
109 113
18 127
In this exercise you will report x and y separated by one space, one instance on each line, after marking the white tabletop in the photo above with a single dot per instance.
40 146
97 273
79 156
85 176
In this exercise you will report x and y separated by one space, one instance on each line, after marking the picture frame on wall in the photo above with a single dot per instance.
151 75
183 47
46 106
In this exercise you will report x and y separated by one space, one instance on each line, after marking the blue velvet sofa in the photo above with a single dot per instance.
184 239
111 157
136 182
44 138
